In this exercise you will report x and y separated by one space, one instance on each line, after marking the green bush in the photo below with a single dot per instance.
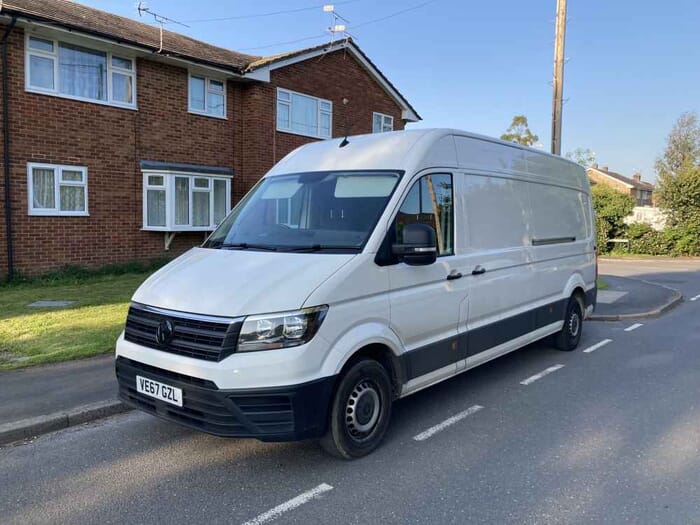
645 240
684 239
611 207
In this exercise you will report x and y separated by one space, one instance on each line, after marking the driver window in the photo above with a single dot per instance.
430 202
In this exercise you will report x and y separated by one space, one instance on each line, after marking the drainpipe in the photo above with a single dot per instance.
6 150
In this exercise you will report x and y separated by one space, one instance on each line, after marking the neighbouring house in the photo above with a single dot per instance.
641 191
119 145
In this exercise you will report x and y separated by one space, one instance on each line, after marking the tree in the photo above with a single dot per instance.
678 172
520 132
611 207
682 146
584 157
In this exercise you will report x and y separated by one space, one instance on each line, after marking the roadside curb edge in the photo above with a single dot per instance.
36 426
676 298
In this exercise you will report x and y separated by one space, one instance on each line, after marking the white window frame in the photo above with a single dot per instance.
53 55
319 112
385 119
207 91
170 207
58 171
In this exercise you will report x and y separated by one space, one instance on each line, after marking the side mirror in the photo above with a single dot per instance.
419 246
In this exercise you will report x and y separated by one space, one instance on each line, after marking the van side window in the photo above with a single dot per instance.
430 201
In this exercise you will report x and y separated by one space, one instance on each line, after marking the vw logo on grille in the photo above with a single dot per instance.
164 333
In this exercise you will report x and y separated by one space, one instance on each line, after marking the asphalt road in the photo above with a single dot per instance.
613 436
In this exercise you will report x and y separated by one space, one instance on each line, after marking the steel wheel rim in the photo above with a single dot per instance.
362 410
574 324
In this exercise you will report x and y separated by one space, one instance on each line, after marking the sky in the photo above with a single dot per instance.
633 66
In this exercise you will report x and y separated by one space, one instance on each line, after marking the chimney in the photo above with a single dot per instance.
594 165
605 168
637 176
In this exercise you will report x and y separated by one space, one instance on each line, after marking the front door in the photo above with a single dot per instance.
425 300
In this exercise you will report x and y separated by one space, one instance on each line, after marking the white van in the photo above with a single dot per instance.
356 272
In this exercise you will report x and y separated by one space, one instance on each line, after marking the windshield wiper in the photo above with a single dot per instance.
246 246
320 247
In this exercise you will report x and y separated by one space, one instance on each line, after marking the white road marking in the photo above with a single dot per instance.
633 327
695 298
596 346
449 421
534 378
289 505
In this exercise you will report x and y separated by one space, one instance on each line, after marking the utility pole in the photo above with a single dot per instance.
558 84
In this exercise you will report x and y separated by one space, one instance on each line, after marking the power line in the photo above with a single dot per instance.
355 26
271 13
321 35
392 15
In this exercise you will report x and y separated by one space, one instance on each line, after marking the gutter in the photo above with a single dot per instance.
6 149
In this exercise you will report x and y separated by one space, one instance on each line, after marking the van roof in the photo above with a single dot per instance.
417 149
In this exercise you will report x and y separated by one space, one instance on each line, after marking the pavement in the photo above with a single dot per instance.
627 298
609 433
44 399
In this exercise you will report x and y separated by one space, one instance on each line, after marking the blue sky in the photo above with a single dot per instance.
634 65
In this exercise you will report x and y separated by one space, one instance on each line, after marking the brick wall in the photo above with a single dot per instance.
334 76
111 142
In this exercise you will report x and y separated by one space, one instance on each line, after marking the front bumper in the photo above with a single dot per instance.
286 413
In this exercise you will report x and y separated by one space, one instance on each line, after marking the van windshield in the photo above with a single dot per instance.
334 211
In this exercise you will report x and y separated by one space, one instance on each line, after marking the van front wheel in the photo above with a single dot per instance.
360 412
570 335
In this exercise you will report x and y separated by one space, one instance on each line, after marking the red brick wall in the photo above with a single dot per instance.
112 141
334 76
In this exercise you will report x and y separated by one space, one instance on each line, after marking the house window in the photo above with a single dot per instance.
381 122
57 190
78 72
207 96
175 201
304 115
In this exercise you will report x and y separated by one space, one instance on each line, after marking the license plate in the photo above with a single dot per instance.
158 390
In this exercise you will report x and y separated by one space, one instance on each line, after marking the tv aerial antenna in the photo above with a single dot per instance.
337 26
142 7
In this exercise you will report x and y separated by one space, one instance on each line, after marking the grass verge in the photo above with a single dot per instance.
90 326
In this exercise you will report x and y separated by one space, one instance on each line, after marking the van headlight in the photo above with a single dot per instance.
281 330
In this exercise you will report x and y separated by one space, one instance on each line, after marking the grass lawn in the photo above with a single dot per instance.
90 326
602 285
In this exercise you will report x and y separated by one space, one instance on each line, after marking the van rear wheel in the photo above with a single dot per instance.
570 335
360 412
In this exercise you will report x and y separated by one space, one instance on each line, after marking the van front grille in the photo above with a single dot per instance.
199 337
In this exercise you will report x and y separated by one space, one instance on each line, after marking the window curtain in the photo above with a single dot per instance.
200 208
155 206
82 72
72 198
182 200
43 188
219 200
304 115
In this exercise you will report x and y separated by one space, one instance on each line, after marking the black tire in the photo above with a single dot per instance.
570 335
360 411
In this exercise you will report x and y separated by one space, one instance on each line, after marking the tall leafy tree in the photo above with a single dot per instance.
678 172
519 132
682 146
583 156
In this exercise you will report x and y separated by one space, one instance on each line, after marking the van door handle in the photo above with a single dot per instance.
454 275
478 270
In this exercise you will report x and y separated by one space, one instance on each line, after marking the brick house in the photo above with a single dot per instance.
635 186
120 145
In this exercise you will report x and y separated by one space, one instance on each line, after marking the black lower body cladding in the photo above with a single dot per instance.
287 413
